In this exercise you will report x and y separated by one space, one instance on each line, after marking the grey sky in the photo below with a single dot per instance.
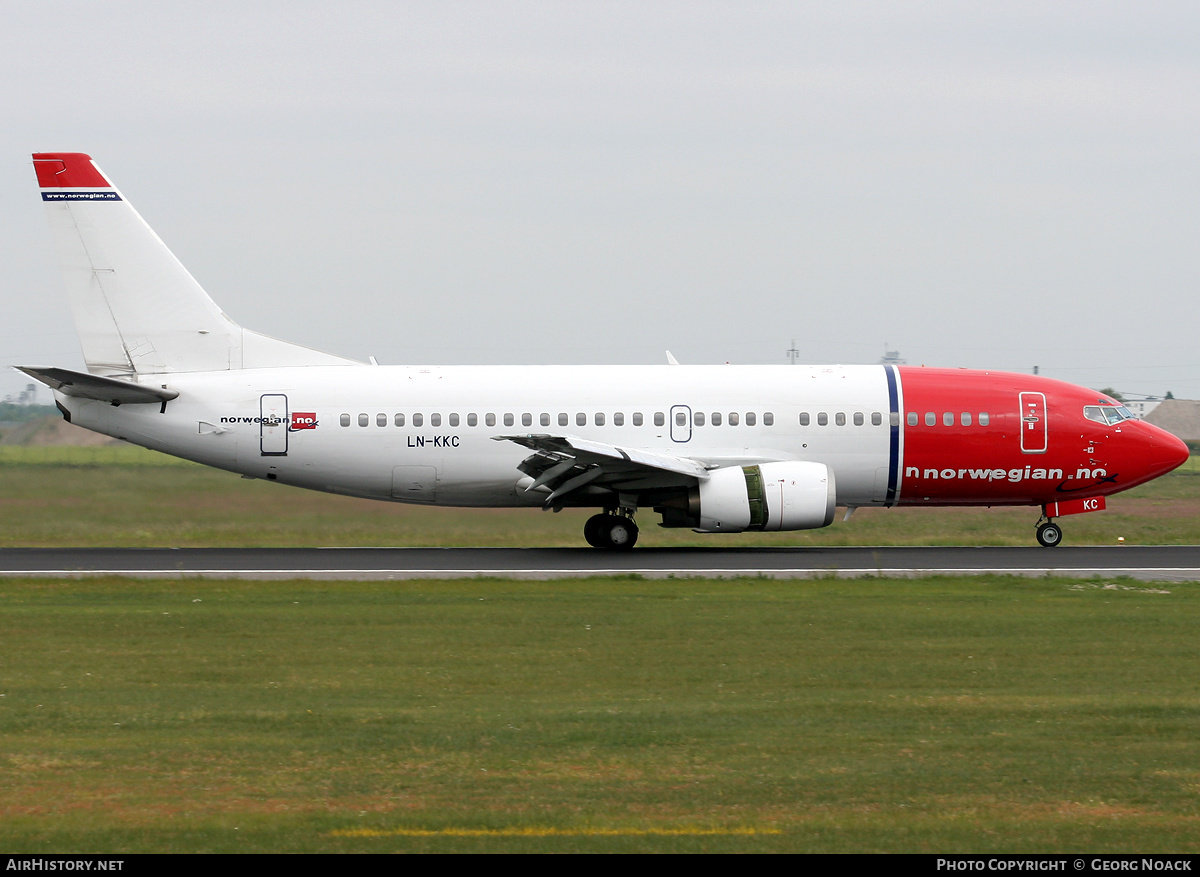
989 185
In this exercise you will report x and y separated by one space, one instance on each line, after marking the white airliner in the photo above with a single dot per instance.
714 448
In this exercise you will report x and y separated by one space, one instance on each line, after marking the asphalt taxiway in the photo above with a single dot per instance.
1157 563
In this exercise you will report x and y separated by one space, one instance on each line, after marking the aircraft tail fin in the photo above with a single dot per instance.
136 308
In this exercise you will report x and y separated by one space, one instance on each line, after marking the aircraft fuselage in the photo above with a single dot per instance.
891 435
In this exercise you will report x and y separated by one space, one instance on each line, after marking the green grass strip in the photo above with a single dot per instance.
988 714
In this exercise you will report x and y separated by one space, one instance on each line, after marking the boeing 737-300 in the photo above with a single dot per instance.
719 449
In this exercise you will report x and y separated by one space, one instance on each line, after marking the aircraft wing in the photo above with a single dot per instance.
563 464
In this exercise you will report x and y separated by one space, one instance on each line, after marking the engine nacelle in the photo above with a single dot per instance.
791 495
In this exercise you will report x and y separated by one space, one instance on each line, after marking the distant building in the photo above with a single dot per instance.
1180 417
1142 407
892 357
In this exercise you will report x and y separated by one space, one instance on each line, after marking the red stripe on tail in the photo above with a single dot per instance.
63 170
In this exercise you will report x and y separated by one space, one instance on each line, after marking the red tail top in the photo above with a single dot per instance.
63 170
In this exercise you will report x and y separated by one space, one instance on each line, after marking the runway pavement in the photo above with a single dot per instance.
1167 563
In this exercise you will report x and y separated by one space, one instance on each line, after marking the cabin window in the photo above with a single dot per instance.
472 420
822 419
435 420
563 420
965 418
398 420
454 420
381 420
345 419
544 420
984 419
930 418
948 418
768 418
418 420
680 418
733 418
580 419
489 419
363 419
912 418
698 418
840 418
618 418
716 418
599 419
804 418
876 418
526 419
508 420
858 418
750 418
659 418
637 418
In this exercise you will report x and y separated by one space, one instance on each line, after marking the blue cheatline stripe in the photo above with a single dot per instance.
103 195
894 419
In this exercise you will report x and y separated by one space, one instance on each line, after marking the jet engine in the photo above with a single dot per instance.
792 495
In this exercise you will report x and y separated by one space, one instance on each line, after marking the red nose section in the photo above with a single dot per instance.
1170 450
1153 452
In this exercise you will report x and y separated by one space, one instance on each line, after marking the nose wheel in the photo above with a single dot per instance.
610 531
1049 534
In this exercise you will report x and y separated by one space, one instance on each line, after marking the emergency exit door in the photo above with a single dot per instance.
681 423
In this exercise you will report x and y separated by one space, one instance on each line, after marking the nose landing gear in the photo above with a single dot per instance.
1049 533
611 531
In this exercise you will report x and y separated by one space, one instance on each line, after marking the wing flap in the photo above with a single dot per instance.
564 464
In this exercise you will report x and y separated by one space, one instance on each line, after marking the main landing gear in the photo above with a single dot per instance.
1049 533
610 531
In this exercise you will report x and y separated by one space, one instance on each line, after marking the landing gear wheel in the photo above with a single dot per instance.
620 533
592 530
610 531
1049 534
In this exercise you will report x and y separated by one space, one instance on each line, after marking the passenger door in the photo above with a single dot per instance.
273 425
1034 423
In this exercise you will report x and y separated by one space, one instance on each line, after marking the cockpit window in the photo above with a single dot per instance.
1107 414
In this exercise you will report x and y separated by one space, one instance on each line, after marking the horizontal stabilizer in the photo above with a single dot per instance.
99 388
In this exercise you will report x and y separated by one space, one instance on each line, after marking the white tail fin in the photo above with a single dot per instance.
136 308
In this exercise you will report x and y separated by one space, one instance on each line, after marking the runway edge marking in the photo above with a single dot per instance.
1174 574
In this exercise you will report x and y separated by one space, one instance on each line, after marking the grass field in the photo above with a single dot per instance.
127 496
937 715
988 714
